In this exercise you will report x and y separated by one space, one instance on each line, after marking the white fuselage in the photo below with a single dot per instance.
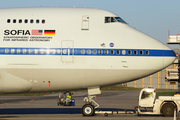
56 61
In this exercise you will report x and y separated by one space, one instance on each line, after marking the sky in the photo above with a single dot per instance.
152 17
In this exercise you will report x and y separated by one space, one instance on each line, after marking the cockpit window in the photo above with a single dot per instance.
120 20
113 19
107 19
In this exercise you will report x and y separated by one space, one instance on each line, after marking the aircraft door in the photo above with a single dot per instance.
67 48
85 22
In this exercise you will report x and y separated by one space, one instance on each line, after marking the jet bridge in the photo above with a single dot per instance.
173 39
173 74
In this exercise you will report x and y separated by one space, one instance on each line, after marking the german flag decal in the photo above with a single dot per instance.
49 32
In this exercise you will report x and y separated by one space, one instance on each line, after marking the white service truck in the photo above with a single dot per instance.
152 105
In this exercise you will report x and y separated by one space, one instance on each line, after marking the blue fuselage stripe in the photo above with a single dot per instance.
86 52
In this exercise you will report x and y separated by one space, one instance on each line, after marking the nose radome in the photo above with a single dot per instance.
169 56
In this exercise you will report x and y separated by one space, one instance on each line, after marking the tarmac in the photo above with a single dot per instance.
45 107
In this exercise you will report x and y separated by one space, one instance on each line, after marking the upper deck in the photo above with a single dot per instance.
44 11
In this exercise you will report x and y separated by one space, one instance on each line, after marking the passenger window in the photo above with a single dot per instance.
37 21
6 50
14 21
107 20
36 51
25 21
147 52
135 52
48 51
113 20
8 20
43 21
123 52
88 51
100 52
106 52
30 51
12 51
94 52
42 51
112 52
64 51
53 51
141 52
129 52
82 51
24 51
18 51
117 52
58 51
69 51
20 21
31 21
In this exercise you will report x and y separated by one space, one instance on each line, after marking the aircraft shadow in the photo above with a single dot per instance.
48 110
54 111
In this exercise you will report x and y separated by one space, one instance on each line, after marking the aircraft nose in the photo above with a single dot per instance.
169 56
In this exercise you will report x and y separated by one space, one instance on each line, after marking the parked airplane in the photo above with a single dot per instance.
63 49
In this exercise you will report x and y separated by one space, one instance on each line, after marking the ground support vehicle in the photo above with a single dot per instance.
65 99
165 105
150 104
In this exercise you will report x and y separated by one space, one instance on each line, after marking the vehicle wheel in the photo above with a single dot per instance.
88 110
61 101
105 114
168 110
68 103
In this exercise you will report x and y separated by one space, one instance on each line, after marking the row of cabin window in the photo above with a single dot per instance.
30 51
53 51
25 21
36 51
135 52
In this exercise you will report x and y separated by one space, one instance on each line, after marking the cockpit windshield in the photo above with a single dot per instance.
113 19
120 19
